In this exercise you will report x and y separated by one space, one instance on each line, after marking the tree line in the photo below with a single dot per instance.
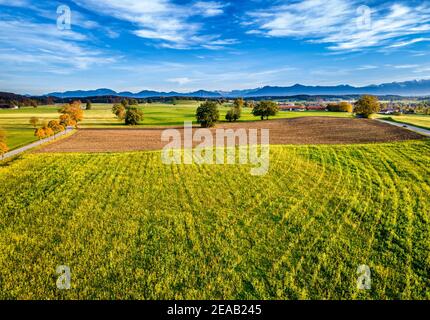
71 115
208 114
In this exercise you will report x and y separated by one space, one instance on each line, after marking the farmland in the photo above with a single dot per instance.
306 130
130 227
20 132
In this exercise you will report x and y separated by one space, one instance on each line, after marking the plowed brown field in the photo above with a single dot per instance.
309 130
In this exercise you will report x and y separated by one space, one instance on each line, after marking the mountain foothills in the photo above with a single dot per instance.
408 88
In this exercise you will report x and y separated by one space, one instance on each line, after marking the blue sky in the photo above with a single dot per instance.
132 45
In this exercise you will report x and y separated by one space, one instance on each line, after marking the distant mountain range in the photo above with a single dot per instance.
408 88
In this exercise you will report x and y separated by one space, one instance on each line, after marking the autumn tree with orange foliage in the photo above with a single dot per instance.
48 131
3 146
40 133
66 121
55 126
3 149
72 114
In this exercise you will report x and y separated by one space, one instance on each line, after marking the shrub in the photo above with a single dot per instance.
340 107
346 107
89 105
207 114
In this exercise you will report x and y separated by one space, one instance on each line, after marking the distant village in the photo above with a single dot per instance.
387 108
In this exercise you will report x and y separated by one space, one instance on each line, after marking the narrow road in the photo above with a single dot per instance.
34 144
422 131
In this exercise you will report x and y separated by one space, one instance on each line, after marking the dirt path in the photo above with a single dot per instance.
309 130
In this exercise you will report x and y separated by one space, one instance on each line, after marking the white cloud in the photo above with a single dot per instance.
406 66
161 20
409 42
180 81
336 23
209 9
42 47
219 44
367 67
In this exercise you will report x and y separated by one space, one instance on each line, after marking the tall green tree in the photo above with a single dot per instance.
133 116
265 109
207 114
366 106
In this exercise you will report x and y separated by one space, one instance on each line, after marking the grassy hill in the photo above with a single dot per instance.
130 227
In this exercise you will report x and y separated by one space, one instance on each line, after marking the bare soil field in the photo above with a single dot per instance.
309 130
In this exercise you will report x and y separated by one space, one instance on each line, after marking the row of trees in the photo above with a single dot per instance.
127 111
3 146
207 113
47 129
71 115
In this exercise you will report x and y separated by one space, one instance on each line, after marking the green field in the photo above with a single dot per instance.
130 227
20 132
